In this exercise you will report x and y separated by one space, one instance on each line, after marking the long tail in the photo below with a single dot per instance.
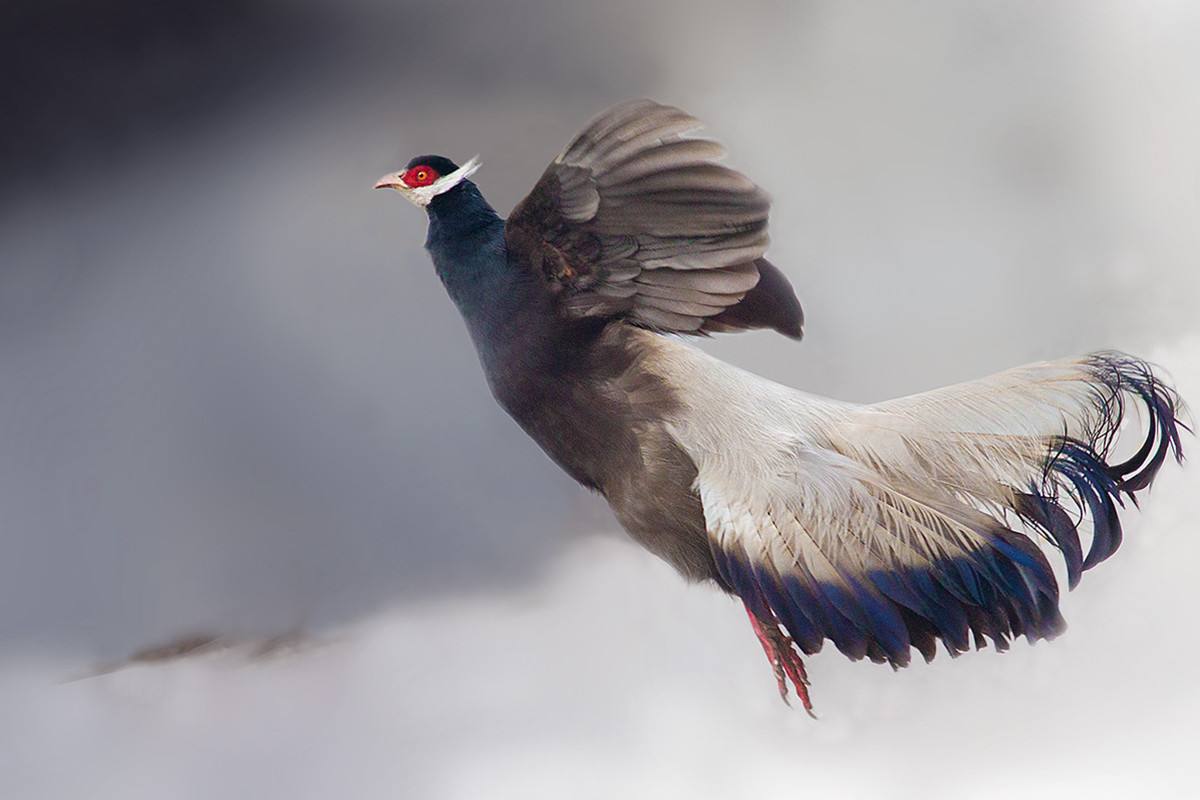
888 526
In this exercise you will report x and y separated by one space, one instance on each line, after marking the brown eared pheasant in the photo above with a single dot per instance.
882 527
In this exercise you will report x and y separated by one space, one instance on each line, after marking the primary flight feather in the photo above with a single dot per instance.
883 527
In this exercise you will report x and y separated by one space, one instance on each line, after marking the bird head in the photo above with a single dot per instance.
426 177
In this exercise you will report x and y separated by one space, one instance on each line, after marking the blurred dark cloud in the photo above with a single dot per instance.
94 81
88 84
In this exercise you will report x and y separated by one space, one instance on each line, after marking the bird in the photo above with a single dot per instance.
883 528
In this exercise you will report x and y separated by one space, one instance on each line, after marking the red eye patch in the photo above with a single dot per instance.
420 175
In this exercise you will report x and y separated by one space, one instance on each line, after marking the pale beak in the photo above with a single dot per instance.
390 181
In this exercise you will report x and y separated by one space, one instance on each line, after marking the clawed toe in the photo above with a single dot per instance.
784 658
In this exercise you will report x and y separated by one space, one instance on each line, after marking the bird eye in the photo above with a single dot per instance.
422 175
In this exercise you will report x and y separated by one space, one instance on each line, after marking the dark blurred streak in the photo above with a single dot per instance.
95 81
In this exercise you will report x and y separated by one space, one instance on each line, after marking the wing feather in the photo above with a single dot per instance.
629 201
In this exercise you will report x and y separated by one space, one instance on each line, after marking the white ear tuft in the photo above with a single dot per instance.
468 169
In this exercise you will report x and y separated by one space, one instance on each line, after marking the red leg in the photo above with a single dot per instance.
784 659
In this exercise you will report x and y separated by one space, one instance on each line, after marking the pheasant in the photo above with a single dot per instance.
883 528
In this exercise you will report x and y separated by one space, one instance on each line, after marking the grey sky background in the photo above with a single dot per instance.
235 398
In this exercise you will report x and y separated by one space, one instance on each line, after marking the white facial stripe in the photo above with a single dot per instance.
423 195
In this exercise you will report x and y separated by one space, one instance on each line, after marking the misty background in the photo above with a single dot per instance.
235 400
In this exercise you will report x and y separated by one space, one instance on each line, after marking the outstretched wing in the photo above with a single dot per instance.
889 526
632 220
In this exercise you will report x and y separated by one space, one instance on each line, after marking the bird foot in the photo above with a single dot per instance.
784 659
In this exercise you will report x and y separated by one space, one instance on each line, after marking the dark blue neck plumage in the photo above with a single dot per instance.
466 242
